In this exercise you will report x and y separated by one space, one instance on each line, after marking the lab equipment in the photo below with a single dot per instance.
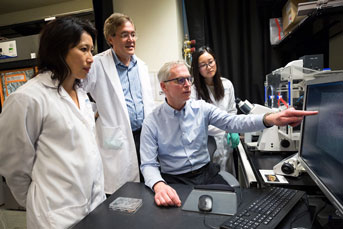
321 143
188 50
267 211
290 166
126 204
284 88
13 79
270 139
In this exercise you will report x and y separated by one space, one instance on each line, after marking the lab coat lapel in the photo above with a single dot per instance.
146 87
112 74
48 82
64 95
211 96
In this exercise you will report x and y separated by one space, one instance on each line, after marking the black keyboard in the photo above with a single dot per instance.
266 211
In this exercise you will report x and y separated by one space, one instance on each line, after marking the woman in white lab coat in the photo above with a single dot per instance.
211 87
48 154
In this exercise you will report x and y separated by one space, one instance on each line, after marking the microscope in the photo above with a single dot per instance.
270 139
289 166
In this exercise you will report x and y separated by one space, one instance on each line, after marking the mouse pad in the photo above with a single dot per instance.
224 203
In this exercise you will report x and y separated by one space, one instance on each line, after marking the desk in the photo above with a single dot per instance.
150 216
250 162
253 161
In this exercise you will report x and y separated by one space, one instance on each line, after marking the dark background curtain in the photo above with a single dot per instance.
102 10
238 32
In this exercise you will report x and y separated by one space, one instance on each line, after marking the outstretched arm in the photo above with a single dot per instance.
290 117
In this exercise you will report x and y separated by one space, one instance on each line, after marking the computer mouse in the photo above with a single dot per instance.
205 203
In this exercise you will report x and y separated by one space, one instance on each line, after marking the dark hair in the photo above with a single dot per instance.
56 39
199 81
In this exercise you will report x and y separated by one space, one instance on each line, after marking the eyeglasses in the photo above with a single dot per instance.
211 63
126 35
181 80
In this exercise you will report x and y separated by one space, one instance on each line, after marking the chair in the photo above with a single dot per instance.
228 177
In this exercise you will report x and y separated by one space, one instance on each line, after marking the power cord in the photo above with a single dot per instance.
207 225
296 218
316 213
302 213
240 197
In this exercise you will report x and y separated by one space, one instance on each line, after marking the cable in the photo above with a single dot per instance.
207 225
302 213
240 198
316 213
297 217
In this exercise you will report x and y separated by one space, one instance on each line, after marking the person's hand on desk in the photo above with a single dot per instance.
166 195
290 117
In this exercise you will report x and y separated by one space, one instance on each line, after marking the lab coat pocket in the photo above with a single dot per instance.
68 216
112 138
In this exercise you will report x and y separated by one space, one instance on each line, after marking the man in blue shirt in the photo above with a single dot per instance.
119 83
174 136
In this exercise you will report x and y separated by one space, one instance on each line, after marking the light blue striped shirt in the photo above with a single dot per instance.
129 78
176 141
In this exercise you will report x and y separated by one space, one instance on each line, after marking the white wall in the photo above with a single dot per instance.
160 33
159 28
158 25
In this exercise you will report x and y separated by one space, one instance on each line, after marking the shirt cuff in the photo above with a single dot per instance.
264 119
152 175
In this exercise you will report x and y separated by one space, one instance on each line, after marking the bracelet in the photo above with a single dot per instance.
264 119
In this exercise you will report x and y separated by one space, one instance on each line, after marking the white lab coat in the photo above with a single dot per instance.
227 103
113 126
49 154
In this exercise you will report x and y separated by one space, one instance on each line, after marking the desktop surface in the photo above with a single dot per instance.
266 160
150 216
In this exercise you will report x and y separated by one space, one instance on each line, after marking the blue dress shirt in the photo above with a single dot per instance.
175 142
129 78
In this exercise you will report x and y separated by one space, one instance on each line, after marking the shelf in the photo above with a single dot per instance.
18 64
306 8
319 20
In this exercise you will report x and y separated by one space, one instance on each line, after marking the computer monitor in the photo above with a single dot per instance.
321 146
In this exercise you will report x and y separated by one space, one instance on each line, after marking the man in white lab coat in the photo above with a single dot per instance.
119 83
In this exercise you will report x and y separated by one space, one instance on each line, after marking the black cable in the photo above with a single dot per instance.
297 217
207 225
302 213
239 196
316 213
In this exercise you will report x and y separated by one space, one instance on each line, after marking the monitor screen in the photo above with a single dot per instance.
321 151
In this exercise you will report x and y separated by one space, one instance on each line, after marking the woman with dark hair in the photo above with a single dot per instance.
48 152
210 86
